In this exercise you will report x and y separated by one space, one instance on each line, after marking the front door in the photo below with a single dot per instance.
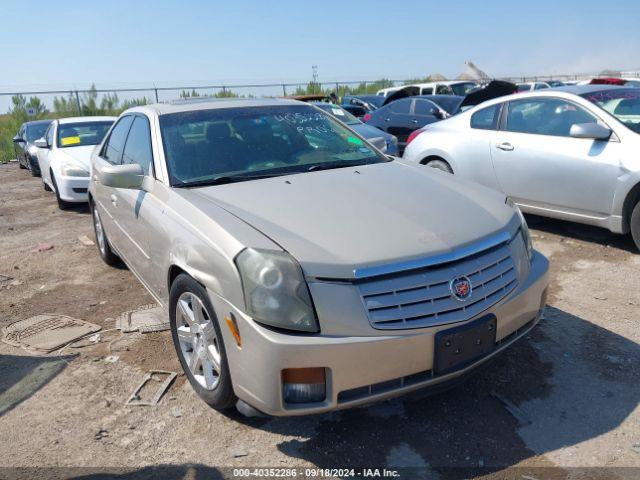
538 164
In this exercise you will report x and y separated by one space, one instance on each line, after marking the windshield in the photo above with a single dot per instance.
36 131
375 100
622 103
338 112
462 88
81 134
236 144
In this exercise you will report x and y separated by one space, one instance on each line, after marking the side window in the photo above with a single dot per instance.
427 91
49 135
138 146
540 86
545 116
487 118
443 90
112 152
424 107
401 106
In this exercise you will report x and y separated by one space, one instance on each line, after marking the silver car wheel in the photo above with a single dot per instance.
99 233
198 340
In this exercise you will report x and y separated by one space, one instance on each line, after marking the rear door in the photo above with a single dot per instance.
539 164
397 120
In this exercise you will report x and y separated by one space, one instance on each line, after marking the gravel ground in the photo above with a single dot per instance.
561 403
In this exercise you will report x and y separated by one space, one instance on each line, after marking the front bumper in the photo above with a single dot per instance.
73 189
361 368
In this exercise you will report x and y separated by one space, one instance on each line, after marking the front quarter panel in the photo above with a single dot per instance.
202 239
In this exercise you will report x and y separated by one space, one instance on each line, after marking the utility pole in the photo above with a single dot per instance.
314 74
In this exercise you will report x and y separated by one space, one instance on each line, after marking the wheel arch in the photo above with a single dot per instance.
436 156
630 201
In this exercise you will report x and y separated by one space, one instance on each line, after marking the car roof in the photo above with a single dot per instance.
63 121
37 122
584 89
212 104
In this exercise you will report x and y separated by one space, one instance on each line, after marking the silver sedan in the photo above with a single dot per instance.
569 153
289 254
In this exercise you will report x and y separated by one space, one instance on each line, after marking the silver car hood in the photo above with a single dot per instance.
337 221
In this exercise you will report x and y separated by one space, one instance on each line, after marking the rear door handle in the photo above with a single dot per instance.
414 121
507 147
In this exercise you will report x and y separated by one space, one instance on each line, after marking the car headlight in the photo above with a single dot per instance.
524 228
70 168
275 290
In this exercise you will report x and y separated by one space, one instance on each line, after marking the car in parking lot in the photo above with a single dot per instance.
385 142
64 156
403 116
568 153
445 87
26 151
289 253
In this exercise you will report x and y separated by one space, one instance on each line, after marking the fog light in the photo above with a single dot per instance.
303 385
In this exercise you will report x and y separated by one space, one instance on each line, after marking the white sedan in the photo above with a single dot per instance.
569 153
64 156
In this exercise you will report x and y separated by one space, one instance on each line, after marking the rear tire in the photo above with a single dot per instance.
200 346
440 165
62 204
634 224
106 253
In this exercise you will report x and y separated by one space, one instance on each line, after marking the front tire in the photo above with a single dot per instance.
198 341
106 253
635 225
62 204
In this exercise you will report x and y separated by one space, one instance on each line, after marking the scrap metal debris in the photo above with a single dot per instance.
46 332
148 318
163 377
86 240
4 280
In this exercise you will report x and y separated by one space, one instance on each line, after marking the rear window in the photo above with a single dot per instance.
486 118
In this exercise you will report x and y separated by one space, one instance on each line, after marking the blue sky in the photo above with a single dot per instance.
131 43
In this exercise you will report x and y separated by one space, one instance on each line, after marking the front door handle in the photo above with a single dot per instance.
507 147
114 200
414 121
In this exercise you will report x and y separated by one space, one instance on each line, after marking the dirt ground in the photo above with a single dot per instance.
563 403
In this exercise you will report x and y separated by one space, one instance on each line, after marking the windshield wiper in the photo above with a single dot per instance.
225 179
332 165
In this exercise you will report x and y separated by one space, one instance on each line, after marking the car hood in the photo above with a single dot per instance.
337 221
408 91
368 131
493 89
82 155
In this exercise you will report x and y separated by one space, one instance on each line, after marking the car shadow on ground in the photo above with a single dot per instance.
155 472
578 231
22 376
568 382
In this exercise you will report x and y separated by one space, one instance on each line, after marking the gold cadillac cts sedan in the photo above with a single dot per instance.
301 269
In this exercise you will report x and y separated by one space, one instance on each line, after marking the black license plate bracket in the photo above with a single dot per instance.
460 346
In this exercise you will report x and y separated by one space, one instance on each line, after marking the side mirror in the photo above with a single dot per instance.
128 176
18 139
594 131
41 143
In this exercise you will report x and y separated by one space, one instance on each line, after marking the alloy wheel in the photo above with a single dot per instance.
99 233
199 344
